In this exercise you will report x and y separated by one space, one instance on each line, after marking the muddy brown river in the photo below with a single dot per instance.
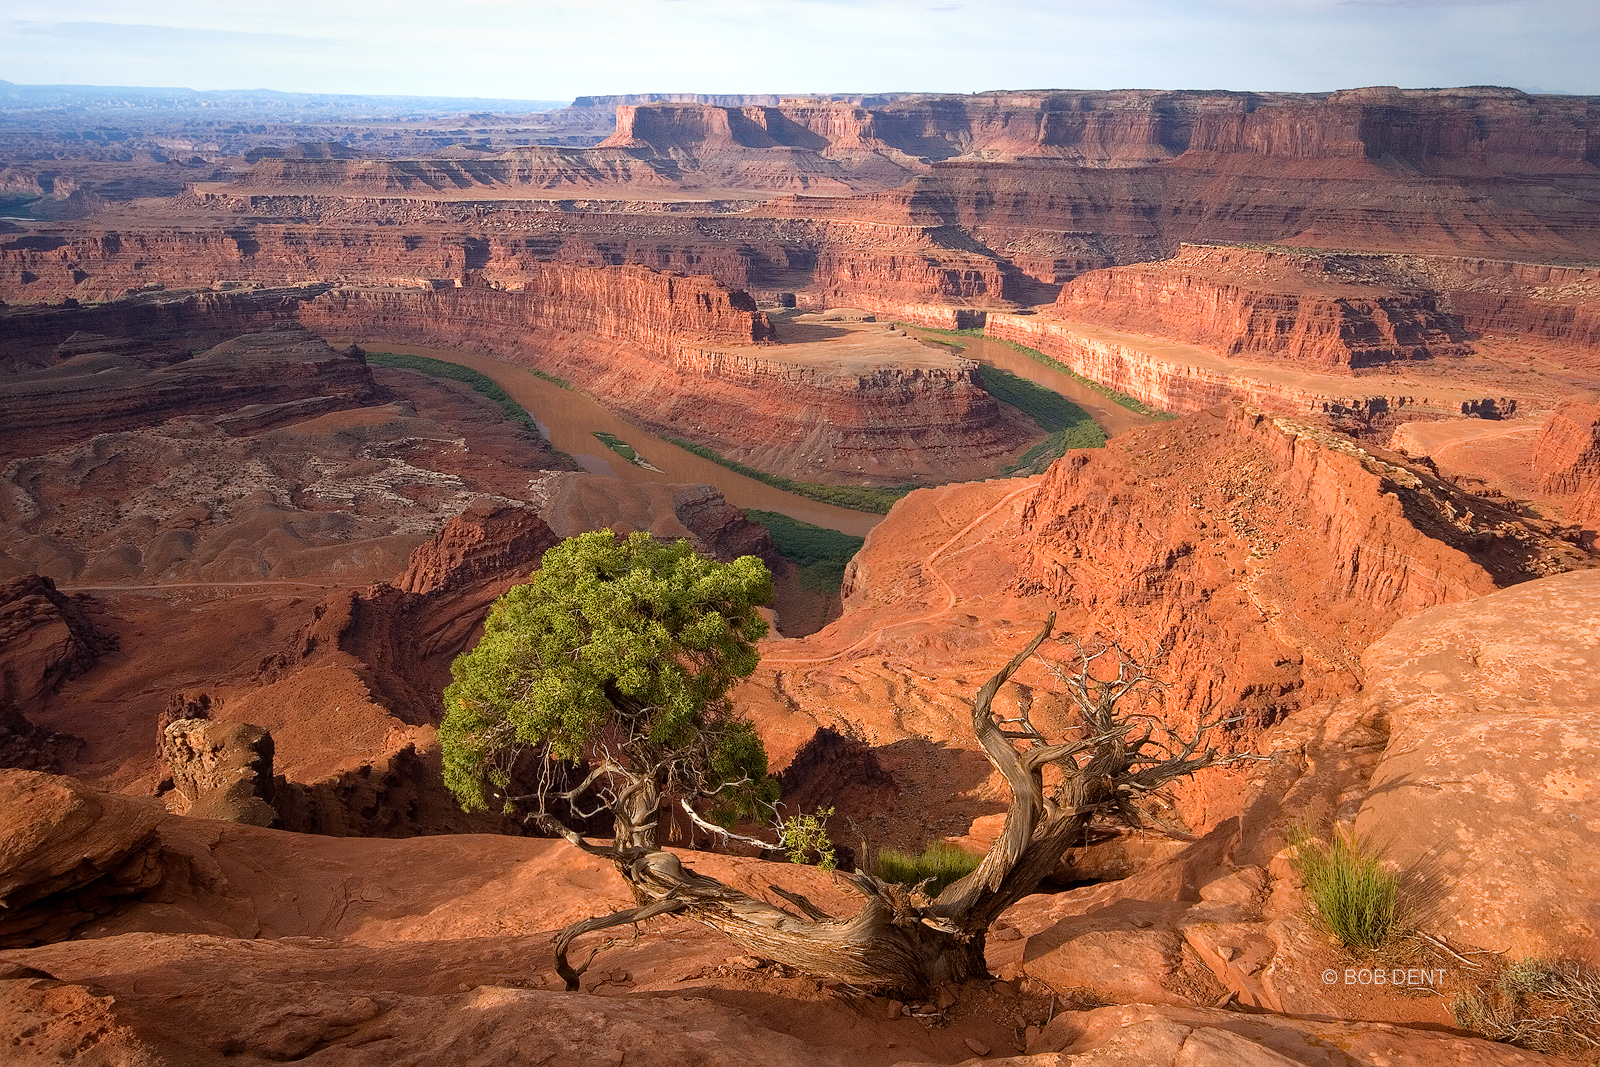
570 419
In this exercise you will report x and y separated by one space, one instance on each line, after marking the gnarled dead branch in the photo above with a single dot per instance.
901 940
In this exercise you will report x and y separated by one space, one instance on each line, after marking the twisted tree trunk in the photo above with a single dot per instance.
900 940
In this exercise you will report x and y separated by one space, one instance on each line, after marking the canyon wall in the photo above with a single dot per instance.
1265 552
638 302
1054 220
1432 131
606 328
1567 459
1279 307
535 168
1151 376
635 304
253 381
440 242
820 421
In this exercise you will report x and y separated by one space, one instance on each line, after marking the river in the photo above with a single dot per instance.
570 419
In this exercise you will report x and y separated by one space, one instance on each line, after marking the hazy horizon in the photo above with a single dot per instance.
560 49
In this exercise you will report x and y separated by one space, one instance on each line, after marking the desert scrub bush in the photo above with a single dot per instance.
1354 898
940 864
1536 1005
551 378
806 840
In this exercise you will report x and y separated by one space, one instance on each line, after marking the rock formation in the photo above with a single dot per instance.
1296 309
1282 501
1484 783
71 854
1263 553
101 386
287 546
46 638
858 416
219 770
1567 459
233 919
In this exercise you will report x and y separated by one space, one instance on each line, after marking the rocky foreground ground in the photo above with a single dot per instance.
173 940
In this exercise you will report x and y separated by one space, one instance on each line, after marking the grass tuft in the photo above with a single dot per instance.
941 864
1354 898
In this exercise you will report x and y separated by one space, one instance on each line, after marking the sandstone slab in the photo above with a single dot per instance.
1487 787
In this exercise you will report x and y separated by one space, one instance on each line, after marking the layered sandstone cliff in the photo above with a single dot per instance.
1300 309
103 385
657 311
1263 553
824 418
1433 131
46 638
1266 553
1182 378
1567 459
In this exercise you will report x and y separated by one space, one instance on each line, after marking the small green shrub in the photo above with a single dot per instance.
940 864
806 840
617 445
1354 897
551 378
1537 1005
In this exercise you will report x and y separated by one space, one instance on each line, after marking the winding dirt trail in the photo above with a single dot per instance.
928 562
137 587
1510 431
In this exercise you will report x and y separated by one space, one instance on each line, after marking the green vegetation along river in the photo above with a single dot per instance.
571 420
1112 417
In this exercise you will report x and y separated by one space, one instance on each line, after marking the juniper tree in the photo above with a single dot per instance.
611 669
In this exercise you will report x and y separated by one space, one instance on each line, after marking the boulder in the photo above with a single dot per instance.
1160 1036
1488 786
68 853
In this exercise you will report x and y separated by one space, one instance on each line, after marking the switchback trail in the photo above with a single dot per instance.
928 562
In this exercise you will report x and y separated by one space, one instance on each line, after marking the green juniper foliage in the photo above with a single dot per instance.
628 642
806 836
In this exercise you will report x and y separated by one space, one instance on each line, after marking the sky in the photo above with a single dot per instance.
558 49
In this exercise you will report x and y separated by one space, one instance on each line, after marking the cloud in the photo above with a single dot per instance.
559 48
